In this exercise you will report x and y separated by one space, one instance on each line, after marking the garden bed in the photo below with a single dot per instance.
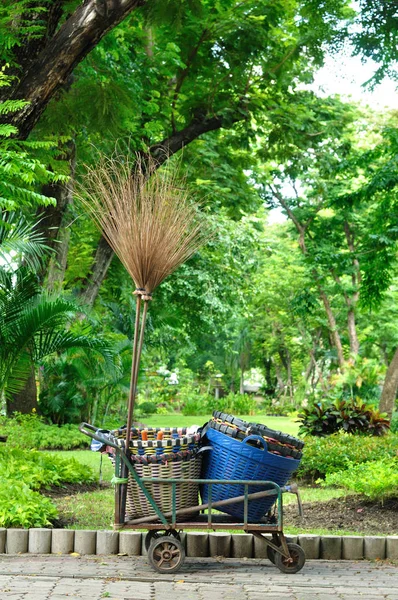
349 513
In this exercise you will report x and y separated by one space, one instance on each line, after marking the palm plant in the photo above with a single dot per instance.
32 324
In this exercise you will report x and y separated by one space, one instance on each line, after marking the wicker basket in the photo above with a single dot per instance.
187 468
175 456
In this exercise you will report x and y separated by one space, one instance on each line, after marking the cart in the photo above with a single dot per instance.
166 553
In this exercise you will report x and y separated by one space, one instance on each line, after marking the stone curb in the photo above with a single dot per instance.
241 545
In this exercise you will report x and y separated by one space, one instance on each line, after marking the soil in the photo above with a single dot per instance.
349 514
68 489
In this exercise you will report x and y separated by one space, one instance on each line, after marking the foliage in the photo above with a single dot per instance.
197 404
204 404
23 163
394 423
147 408
23 473
22 507
30 432
376 480
339 451
350 416
40 470
33 326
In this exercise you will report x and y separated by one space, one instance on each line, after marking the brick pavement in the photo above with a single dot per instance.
49 577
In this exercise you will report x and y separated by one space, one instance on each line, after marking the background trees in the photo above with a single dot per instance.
226 83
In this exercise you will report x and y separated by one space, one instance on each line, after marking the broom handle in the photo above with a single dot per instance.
133 381
140 342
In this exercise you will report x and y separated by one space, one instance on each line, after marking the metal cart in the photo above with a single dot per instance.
163 541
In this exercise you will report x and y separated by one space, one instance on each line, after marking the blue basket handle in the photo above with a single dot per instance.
257 438
204 448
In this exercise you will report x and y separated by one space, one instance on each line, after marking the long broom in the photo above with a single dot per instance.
149 221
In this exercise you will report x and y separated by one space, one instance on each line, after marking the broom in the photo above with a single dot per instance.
149 221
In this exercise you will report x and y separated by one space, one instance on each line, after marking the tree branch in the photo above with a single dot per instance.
175 142
67 48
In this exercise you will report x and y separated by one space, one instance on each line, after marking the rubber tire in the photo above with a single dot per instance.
298 556
271 554
159 545
154 534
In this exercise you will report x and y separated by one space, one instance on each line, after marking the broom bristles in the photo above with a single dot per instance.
145 215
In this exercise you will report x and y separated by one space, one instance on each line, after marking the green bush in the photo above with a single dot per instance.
29 431
204 404
147 408
22 474
338 452
243 404
41 470
377 480
22 507
197 405
394 423
351 416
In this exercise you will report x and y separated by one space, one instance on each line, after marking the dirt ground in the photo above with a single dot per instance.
350 513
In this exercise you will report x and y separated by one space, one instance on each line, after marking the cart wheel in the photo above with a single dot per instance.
295 563
166 554
155 535
271 554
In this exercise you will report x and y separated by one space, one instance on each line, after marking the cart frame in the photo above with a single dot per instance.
288 557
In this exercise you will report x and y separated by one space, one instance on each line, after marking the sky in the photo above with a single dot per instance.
344 74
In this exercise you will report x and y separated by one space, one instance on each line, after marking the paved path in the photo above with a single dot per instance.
31 577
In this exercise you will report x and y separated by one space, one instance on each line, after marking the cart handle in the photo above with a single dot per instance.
258 438
93 432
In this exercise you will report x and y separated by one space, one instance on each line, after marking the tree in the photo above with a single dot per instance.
167 86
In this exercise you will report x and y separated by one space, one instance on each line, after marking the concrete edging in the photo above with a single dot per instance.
203 544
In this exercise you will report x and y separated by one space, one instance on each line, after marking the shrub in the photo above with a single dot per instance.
22 474
338 452
243 404
197 405
394 423
29 431
22 507
377 480
147 408
41 470
351 416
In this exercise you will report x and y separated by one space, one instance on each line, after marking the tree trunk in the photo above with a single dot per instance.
26 400
352 332
55 221
102 260
333 329
390 387
281 383
241 382
270 389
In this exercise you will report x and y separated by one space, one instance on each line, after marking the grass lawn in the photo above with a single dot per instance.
285 424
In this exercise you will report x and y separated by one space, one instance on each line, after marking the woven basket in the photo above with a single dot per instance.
189 468
234 459
175 456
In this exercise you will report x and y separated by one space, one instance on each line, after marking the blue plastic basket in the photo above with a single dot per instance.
232 459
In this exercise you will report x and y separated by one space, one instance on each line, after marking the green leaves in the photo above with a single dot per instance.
23 473
350 416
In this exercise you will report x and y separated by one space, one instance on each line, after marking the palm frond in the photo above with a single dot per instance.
21 239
